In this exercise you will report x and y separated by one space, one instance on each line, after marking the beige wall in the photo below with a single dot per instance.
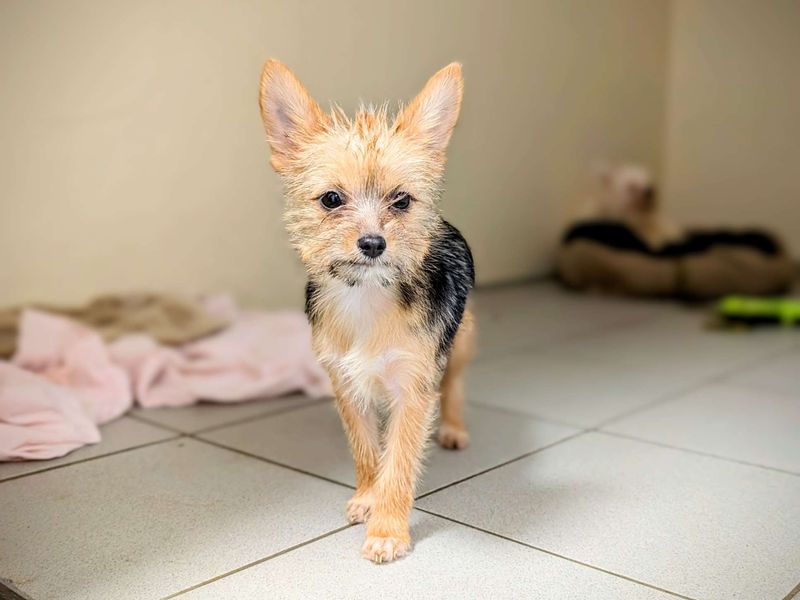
132 155
733 136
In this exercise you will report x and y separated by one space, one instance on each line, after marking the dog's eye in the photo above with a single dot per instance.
402 202
330 200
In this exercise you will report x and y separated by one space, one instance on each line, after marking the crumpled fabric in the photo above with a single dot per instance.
64 380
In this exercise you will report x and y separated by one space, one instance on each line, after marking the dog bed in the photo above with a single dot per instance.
609 256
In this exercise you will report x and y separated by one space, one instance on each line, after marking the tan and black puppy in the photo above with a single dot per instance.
388 280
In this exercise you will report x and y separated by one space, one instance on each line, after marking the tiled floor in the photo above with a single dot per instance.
620 450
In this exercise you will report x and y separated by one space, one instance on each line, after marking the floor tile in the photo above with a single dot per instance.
779 374
152 521
312 439
696 525
735 422
567 387
190 419
523 317
118 435
679 344
448 561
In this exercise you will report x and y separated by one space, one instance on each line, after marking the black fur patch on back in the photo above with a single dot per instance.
448 274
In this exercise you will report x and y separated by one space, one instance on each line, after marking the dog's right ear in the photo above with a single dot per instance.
290 114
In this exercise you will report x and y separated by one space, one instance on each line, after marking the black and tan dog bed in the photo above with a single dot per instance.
609 256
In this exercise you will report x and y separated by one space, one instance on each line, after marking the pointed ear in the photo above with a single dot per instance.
289 113
432 115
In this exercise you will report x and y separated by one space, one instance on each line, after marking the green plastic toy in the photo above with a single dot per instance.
752 310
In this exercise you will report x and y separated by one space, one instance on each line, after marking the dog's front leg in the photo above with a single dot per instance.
406 434
362 433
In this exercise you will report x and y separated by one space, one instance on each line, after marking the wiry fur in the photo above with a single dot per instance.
394 329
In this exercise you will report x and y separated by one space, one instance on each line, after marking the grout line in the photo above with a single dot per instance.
720 377
520 413
698 452
260 416
557 555
552 344
661 399
549 344
145 420
259 561
502 464
793 593
348 486
270 461
8 591
89 459
611 325
150 421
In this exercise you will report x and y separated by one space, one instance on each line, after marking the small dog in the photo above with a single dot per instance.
388 280
626 193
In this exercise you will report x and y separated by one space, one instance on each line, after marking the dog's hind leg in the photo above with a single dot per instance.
452 431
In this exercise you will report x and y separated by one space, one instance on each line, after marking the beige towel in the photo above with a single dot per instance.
168 319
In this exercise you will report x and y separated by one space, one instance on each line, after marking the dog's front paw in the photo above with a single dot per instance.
452 437
359 507
384 549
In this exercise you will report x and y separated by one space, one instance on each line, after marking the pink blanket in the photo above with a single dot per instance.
64 380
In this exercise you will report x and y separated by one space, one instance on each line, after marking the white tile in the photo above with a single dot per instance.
118 435
679 344
312 439
568 387
731 421
779 374
448 561
153 521
524 317
197 417
695 525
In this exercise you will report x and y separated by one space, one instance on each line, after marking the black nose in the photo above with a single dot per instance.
372 245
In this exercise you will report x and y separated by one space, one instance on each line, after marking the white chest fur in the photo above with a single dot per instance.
366 346
359 309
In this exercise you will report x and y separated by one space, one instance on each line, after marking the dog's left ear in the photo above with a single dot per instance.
432 115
